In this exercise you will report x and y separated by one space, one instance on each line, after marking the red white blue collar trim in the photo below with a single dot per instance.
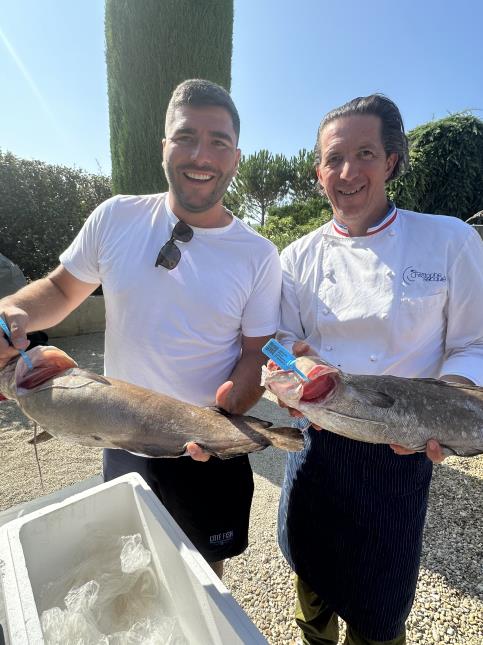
380 226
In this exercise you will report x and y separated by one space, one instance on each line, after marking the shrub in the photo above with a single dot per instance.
42 208
446 168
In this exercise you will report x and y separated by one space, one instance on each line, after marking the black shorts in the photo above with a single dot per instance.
209 500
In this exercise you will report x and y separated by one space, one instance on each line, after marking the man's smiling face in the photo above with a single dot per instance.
353 170
200 157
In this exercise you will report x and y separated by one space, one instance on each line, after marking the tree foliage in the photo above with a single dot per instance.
289 222
282 231
262 180
303 177
301 212
446 168
151 47
42 208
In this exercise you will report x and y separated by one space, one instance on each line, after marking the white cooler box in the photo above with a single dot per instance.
37 547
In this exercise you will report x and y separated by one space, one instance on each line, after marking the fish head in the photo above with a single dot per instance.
292 390
16 378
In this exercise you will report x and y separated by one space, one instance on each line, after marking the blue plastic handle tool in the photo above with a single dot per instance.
282 357
8 334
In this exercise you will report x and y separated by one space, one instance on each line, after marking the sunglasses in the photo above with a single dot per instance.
170 255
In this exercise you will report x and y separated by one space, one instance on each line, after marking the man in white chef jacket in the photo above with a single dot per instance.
378 290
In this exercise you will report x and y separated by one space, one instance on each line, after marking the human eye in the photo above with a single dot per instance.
183 139
220 143
366 153
332 159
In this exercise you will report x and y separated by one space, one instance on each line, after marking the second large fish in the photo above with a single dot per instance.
92 410
384 409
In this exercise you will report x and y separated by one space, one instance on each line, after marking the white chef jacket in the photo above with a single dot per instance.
405 300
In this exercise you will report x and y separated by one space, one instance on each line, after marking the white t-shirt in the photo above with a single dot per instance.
177 332
407 300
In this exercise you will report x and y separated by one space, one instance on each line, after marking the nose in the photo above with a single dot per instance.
349 169
200 152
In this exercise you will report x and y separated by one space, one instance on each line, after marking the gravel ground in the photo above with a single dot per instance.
449 598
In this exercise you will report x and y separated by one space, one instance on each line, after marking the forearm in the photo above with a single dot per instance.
245 377
47 301
41 300
246 383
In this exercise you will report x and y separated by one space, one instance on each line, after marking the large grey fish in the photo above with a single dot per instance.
384 409
85 408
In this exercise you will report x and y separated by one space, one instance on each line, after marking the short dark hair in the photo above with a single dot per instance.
197 92
393 136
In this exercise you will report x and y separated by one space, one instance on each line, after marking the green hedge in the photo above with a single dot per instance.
445 174
42 207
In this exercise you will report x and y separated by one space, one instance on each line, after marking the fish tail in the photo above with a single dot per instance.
286 438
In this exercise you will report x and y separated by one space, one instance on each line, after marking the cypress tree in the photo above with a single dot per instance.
151 47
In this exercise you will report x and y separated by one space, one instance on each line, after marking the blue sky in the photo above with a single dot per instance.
292 62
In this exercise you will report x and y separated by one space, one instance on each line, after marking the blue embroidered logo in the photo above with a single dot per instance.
411 275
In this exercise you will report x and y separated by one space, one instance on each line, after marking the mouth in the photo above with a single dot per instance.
47 363
323 381
198 177
350 193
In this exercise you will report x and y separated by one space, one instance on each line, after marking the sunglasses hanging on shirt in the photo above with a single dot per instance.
170 255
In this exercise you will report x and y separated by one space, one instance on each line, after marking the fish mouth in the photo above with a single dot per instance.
323 381
47 362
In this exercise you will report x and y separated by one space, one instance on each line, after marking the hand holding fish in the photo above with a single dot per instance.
196 452
300 348
434 451
16 320
222 401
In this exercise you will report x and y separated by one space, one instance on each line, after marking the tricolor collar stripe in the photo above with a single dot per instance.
387 221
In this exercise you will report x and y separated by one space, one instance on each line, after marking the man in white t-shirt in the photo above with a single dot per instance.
191 294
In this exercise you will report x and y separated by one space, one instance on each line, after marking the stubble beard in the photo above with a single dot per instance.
211 200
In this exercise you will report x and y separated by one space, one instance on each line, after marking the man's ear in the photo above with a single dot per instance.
391 161
238 157
317 170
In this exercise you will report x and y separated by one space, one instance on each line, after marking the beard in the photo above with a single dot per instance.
188 199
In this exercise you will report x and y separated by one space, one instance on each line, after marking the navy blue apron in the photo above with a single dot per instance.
351 521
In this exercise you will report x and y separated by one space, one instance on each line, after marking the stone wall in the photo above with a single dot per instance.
88 318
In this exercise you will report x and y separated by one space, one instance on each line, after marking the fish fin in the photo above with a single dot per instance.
215 408
242 417
40 438
373 397
287 438
93 376
435 381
